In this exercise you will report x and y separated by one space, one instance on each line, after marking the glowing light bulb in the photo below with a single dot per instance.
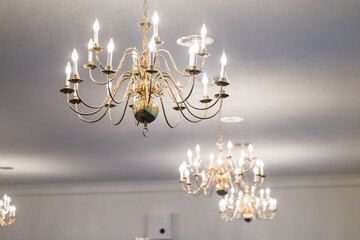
197 148
219 161
75 57
223 65
90 45
267 191
96 28
203 36
222 205
205 81
110 49
229 145
111 45
223 59
196 47
155 20
68 72
189 153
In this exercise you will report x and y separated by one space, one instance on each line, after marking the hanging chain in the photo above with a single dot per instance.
220 129
146 8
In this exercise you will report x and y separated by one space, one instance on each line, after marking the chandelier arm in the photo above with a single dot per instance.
171 94
168 73
91 121
87 105
166 119
126 93
173 62
98 60
122 117
81 113
188 190
208 107
204 117
97 82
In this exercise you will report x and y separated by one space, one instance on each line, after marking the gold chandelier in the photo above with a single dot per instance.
242 202
223 174
7 212
247 206
149 78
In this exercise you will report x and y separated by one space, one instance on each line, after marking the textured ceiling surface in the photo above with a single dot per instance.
294 67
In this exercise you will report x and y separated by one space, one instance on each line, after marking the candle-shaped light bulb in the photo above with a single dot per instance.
223 65
267 191
211 160
68 72
222 205
152 46
203 36
194 49
96 28
205 81
90 45
229 145
197 148
262 193
155 20
110 49
1 203
75 57
219 161
189 154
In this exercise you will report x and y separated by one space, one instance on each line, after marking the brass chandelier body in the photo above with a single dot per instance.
7 212
148 79
236 181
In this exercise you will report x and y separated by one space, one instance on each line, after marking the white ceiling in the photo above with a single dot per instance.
294 67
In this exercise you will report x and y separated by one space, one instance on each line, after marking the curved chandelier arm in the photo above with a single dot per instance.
166 119
186 188
91 121
204 117
78 112
122 117
168 72
170 91
173 63
121 79
88 105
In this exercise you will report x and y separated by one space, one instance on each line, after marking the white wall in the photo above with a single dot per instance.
326 208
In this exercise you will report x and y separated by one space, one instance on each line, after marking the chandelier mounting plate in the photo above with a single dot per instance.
188 41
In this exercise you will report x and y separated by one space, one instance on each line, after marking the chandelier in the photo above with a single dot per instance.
222 174
7 212
247 206
242 202
147 79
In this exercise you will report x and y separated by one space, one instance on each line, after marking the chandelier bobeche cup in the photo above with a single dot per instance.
7 212
149 78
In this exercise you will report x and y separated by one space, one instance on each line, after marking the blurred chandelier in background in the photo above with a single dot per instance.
242 202
7 212
223 174
148 78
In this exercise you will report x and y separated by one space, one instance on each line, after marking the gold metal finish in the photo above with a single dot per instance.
7 212
222 94
206 99
203 53
67 89
97 48
90 66
222 82
193 70
75 79
143 84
